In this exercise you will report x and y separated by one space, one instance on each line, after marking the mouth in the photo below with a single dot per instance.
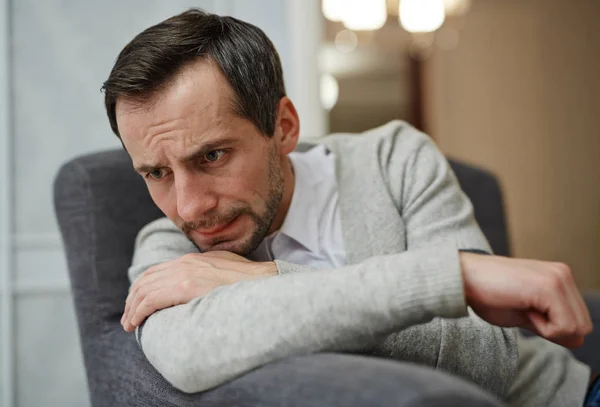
215 229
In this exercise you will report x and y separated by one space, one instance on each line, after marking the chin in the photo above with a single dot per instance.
233 247
240 247
240 238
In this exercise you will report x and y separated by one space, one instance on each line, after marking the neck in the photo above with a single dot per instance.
289 182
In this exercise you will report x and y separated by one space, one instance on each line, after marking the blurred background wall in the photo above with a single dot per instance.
54 57
520 95
511 86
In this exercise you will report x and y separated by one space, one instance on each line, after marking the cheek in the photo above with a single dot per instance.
250 186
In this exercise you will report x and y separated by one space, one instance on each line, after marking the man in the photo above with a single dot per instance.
363 244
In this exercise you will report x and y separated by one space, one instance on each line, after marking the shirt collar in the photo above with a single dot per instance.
302 219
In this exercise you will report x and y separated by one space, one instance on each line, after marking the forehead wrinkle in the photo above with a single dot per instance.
164 131
192 110
165 143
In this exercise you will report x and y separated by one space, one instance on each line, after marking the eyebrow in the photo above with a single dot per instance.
204 149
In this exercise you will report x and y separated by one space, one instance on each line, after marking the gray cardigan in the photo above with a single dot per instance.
404 218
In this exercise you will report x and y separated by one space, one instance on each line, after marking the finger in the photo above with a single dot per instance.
155 300
126 312
579 311
150 276
128 326
525 322
173 279
567 341
564 308
143 292
140 288
552 317
539 323
127 301
172 273
130 296
543 327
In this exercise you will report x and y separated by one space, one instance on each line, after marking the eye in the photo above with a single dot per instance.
213 156
156 174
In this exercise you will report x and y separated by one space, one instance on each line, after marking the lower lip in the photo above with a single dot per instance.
218 231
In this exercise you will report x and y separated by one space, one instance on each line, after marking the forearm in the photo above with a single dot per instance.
236 328
467 347
479 351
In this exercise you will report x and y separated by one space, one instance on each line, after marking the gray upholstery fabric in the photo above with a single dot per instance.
589 353
343 380
483 190
101 204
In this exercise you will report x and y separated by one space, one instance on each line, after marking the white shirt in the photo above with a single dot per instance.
311 233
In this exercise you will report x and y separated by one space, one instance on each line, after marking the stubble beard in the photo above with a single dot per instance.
262 222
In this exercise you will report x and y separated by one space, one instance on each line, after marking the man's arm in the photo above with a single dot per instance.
506 288
435 211
214 338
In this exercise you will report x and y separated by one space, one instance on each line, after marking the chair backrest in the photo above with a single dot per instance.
101 204
485 193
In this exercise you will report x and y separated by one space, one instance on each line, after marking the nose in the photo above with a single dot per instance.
194 196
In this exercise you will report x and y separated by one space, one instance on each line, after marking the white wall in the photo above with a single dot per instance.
54 56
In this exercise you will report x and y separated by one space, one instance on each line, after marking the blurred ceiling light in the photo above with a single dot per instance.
362 15
346 41
418 16
456 7
329 91
333 10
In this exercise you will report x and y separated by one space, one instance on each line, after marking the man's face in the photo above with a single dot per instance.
214 174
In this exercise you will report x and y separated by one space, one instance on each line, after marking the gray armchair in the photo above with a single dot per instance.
101 204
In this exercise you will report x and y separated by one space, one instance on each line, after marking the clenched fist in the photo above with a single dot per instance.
537 295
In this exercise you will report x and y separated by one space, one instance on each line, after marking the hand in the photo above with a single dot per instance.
536 295
180 281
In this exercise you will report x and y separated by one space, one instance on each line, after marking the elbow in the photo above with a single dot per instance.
199 371
186 367
182 373
185 382
194 379
173 353
192 361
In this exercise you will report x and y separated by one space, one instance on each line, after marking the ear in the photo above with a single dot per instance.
287 126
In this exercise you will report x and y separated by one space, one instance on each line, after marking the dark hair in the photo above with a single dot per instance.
242 51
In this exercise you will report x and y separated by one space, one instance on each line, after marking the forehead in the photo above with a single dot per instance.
197 98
